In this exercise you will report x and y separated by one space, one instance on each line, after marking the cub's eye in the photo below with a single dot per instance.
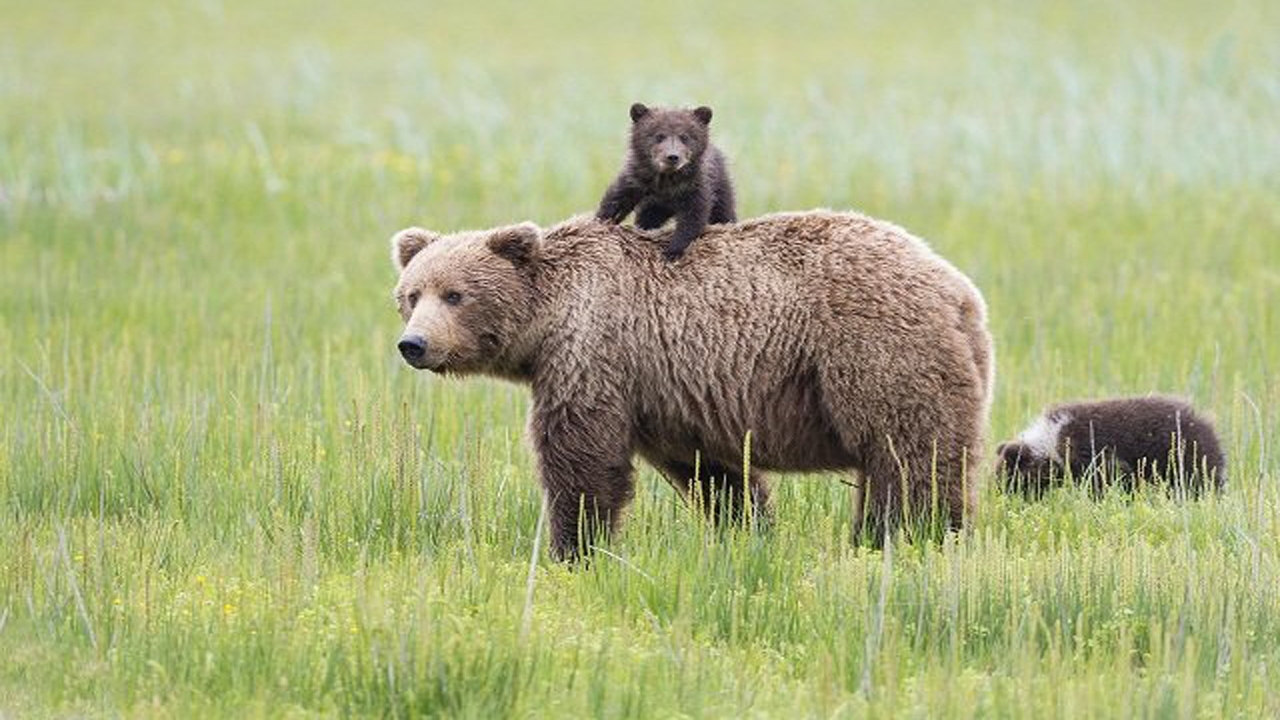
413 298
684 138
452 298
659 137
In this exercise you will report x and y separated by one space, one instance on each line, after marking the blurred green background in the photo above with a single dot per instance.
222 493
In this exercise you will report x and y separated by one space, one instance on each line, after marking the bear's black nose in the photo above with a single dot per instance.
673 159
412 347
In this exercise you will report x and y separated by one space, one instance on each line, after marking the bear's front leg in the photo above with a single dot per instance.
584 463
691 220
619 200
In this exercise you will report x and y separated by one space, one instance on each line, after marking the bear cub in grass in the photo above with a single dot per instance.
672 169
1154 437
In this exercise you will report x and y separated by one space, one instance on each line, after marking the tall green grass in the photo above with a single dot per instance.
221 493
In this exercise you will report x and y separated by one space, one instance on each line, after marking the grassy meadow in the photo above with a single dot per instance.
222 493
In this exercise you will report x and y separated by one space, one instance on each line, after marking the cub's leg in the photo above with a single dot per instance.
691 220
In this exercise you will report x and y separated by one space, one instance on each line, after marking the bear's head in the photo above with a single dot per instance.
1023 468
467 299
669 140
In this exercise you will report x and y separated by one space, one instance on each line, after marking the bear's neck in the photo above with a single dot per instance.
518 361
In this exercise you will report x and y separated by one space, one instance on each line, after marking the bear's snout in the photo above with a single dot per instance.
671 155
671 161
413 348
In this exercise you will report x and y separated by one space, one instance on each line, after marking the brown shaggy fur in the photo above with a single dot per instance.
837 341
1117 440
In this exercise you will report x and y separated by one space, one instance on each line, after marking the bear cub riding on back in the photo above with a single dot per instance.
672 169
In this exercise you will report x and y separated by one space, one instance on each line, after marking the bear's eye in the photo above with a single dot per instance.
659 137
684 138
452 298
413 298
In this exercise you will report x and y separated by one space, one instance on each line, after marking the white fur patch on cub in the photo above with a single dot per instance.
1042 435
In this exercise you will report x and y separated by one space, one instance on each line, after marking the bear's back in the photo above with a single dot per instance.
781 273
780 242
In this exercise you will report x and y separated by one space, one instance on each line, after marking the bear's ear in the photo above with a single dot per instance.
517 243
638 110
703 114
407 243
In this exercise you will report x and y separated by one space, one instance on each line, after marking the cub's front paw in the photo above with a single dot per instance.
673 254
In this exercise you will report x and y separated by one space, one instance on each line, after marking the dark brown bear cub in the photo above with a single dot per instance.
672 169
1155 437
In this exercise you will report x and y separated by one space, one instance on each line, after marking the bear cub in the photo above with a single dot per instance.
1148 437
672 169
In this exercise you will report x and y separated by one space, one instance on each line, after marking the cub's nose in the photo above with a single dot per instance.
413 348
673 159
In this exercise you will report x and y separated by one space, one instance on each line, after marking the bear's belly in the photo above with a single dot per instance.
788 425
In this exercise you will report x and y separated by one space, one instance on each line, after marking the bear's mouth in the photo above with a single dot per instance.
666 167
436 366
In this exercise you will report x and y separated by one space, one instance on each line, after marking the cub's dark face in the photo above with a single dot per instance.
669 141
466 298
1023 469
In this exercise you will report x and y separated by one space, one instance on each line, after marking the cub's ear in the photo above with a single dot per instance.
703 114
638 110
517 243
1014 455
407 243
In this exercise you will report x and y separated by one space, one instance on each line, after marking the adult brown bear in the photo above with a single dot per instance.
836 340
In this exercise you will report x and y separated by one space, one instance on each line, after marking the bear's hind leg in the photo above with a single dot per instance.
921 486
915 446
